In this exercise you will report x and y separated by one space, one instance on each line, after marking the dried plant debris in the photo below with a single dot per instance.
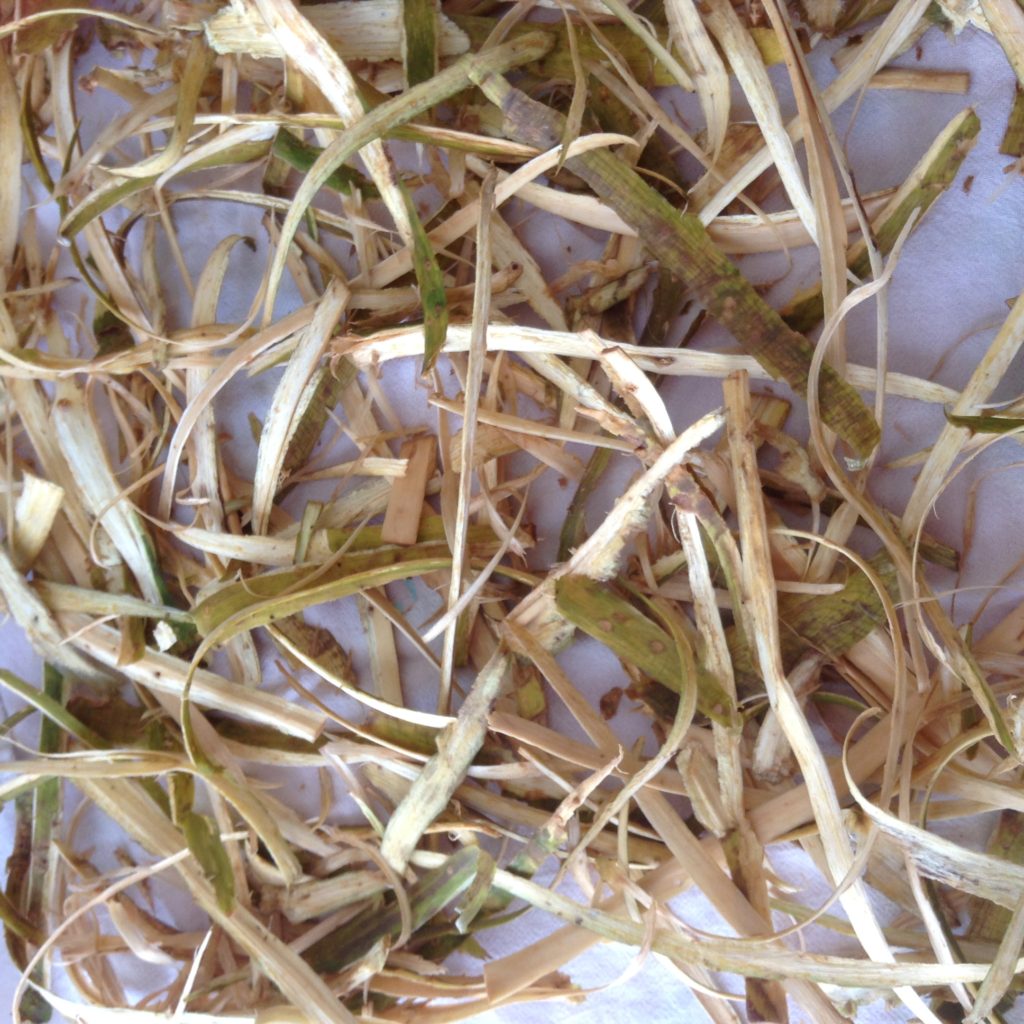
293 390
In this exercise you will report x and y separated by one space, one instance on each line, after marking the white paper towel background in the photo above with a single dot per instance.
957 272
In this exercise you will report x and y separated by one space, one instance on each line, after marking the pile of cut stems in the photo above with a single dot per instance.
347 595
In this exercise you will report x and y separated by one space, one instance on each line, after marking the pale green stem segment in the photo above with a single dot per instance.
683 246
